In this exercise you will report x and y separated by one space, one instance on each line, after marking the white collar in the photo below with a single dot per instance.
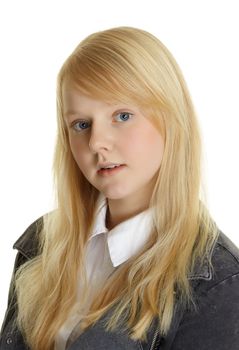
125 239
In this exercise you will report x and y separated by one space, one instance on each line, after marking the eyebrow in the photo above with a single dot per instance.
117 108
71 113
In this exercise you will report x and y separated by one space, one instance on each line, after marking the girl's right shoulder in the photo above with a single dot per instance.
27 244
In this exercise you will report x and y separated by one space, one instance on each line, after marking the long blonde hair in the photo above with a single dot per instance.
128 65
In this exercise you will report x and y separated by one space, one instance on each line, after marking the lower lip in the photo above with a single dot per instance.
109 172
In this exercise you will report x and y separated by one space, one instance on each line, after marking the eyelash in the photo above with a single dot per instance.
73 125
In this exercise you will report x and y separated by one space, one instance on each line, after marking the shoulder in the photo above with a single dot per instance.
225 258
223 264
27 244
213 321
219 288
227 249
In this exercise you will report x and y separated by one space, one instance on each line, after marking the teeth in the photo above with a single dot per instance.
111 166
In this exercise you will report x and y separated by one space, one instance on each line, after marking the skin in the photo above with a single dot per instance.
121 134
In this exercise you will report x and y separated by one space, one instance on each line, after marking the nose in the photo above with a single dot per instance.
100 139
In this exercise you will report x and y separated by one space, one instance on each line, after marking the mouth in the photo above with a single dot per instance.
111 171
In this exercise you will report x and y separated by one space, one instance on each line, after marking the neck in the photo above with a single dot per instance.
120 210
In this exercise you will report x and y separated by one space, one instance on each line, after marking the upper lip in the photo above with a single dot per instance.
106 164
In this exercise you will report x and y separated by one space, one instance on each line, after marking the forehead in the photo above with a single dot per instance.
74 97
76 102
71 92
105 92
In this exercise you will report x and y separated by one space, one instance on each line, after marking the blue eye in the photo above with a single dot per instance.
80 125
124 116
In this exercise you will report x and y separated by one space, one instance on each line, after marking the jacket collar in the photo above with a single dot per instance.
28 243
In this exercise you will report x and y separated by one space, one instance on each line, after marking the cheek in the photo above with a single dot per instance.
145 142
78 151
158 147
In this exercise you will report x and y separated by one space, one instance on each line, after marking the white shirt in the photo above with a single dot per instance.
106 250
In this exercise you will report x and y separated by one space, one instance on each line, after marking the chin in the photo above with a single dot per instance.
114 195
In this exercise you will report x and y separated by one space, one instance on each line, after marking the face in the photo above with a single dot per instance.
116 134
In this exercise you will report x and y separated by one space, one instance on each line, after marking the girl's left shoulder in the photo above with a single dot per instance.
222 263
213 320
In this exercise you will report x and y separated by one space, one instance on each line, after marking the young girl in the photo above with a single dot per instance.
131 258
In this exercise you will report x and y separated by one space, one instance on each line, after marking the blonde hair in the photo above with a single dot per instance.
128 65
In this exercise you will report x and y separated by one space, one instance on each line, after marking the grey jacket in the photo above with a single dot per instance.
213 325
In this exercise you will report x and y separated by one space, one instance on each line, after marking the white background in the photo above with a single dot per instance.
37 36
